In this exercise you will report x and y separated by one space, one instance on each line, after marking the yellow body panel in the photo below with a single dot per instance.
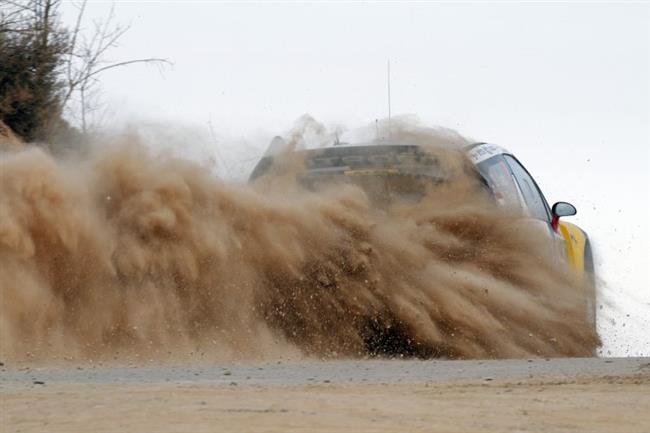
574 243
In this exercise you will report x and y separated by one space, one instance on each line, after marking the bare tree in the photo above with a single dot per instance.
13 17
48 69
32 45
86 61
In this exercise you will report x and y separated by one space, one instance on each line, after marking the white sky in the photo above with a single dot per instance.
566 87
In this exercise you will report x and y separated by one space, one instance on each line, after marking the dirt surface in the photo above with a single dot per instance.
555 395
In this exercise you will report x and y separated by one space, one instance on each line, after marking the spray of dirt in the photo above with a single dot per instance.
130 255
8 140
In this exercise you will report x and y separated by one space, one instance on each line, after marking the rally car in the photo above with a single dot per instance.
405 169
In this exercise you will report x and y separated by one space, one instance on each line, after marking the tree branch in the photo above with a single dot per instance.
129 62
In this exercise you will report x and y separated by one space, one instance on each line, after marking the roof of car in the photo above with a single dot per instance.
477 152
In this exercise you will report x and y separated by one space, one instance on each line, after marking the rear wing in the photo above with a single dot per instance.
363 159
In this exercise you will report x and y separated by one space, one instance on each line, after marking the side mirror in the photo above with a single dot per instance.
561 209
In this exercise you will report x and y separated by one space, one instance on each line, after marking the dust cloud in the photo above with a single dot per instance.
127 254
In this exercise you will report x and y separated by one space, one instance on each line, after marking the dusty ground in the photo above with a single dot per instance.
564 395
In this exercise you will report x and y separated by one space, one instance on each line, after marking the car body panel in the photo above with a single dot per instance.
575 241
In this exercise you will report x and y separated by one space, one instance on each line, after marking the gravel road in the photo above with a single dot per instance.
551 395
341 372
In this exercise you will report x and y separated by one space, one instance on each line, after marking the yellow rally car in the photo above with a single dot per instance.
506 178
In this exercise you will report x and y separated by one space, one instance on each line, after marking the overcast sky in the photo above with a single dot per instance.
564 86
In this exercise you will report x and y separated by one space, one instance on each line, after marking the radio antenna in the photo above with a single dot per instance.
388 79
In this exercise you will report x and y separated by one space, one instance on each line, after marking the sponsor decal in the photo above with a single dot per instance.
484 151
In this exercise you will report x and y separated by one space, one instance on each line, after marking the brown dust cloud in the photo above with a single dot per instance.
130 255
